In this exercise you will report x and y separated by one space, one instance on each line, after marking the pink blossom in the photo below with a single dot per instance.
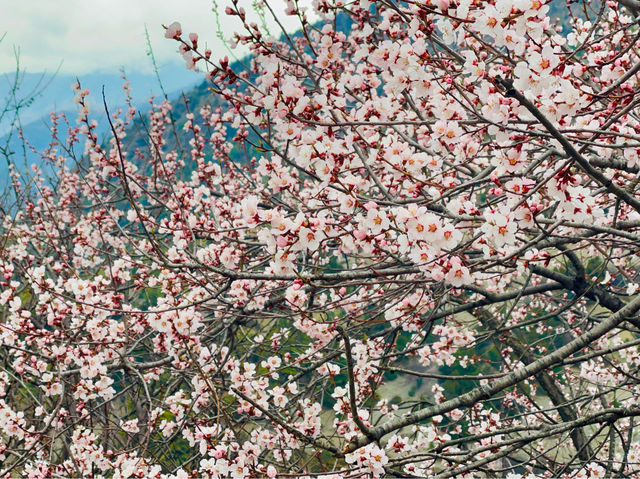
173 31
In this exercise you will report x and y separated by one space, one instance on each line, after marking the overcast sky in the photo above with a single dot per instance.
102 35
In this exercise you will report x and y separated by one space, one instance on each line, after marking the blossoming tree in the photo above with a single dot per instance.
403 241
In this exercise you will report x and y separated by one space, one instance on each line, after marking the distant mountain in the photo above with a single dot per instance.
46 93
54 91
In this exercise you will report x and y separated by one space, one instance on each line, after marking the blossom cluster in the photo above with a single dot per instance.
402 241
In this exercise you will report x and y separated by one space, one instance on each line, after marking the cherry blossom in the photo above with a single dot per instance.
402 240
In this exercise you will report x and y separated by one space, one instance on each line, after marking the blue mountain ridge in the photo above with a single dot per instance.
53 93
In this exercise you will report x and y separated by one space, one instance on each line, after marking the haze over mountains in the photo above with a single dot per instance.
53 93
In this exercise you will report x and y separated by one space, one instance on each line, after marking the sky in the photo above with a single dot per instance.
84 36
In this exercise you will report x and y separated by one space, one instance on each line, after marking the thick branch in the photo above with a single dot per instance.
567 413
486 392
352 388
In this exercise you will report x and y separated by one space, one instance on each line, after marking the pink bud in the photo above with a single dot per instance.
193 37
578 70
443 4
342 291
219 452
271 471
360 234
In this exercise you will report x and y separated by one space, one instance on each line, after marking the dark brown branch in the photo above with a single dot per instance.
597 176
486 392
